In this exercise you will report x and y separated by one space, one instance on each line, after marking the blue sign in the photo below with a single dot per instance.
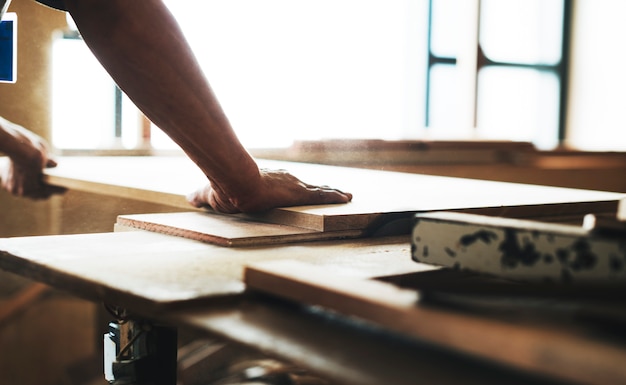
8 48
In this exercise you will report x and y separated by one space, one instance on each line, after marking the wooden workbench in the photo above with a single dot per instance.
194 284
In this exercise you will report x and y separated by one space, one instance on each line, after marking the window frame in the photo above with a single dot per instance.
561 69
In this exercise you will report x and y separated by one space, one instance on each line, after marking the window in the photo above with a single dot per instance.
596 119
88 110
391 69
286 70
496 67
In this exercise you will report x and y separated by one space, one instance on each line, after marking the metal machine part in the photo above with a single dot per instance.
139 352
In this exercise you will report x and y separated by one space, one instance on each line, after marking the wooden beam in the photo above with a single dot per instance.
539 348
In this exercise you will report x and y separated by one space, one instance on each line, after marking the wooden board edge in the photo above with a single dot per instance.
516 345
173 200
267 240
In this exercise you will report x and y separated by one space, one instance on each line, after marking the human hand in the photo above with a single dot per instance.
26 180
28 156
278 188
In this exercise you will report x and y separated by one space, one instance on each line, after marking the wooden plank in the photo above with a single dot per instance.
227 230
572 357
332 145
519 249
152 272
378 195
161 180
382 152
342 353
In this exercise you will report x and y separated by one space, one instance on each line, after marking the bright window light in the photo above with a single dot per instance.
286 70
82 98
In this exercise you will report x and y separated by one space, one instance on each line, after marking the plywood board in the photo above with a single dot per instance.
151 272
378 195
227 230
572 357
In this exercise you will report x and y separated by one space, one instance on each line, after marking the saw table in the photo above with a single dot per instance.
213 273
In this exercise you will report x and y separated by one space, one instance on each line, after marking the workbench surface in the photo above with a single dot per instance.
152 273
196 284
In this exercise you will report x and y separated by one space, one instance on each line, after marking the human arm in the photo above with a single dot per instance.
28 155
142 47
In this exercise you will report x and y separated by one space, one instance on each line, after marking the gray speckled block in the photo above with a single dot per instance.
518 249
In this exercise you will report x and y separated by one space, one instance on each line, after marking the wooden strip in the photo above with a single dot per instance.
570 356
229 231
412 145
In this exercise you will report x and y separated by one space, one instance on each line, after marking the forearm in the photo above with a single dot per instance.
142 47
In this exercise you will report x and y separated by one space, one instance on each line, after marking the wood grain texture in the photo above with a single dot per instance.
227 230
543 349
378 195
151 272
